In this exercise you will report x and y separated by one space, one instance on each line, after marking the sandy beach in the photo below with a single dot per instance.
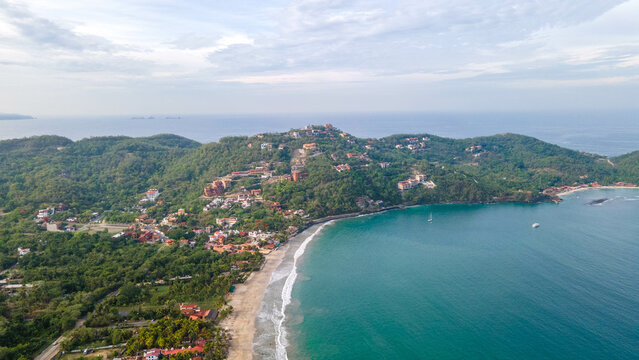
247 297
599 187
246 301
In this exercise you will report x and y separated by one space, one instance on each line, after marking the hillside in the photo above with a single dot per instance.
214 211
111 172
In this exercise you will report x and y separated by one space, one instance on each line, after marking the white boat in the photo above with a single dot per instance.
535 225
430 218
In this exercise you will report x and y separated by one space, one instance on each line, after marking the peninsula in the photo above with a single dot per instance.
133 247
15 117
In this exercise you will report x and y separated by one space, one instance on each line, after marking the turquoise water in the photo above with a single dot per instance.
477 283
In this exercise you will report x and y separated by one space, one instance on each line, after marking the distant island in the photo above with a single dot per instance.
163 227
15 117
153 118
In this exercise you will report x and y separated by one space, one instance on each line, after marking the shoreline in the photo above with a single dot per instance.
564 193
248 297
246 301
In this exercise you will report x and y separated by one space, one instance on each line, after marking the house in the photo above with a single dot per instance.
407 184
23 251
240 173
384 165
144 219
351 155
198 349
152 354
310 146
297 175
230 221
342 167
152 194
256 192
429 184
188 308
45 213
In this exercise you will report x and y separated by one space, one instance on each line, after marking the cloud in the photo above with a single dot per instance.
571 83
44 32
405 45
304 77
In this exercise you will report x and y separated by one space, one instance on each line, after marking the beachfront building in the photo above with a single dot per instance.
418 179
152 354
407 184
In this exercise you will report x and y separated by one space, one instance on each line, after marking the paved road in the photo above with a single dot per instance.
53 349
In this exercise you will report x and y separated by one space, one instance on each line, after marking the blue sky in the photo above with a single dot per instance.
185 57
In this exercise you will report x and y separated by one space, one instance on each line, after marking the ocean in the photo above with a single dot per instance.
604 132
478 282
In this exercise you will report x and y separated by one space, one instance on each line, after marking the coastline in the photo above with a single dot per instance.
564 193
259 303
246 300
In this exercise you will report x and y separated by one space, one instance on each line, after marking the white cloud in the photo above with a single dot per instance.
377 44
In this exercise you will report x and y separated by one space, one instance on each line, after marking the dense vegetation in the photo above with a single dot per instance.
98 276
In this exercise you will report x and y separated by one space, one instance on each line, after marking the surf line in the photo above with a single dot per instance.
280 349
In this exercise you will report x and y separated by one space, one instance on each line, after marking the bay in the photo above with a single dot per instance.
477 283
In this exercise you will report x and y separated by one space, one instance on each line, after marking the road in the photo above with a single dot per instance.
53 349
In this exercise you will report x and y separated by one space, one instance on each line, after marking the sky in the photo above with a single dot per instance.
313 56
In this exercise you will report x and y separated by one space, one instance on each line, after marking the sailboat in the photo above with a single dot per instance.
535 225
430 217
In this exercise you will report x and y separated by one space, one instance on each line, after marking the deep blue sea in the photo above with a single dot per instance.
605 133
478 282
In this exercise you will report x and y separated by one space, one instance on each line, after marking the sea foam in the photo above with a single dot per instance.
280 340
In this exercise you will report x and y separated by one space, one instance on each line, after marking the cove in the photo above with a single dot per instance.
477 282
